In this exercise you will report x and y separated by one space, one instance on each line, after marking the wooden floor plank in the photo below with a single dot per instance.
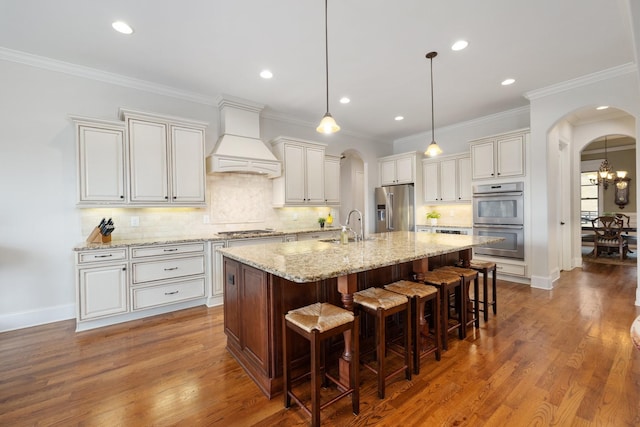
560 357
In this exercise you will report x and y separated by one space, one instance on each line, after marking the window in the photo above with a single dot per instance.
589 198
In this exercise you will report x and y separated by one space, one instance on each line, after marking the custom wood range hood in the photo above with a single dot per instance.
239 148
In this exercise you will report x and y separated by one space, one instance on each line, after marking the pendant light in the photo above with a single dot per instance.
327 125
433 149
605 174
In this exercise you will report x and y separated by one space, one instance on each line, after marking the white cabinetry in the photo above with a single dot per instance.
447 179
397 169
166 158
217 275
101 284
166 274
302 183
100 148
500 156
332 180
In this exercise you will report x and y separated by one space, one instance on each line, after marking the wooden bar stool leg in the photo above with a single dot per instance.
286 374
316 378
495 291
476 300
485 294
380 351
437 325
355 366
407 342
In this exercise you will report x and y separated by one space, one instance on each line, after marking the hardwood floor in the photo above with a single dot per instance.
561 357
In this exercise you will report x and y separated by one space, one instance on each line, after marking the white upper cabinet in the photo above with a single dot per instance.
397 169
166 158
447 179
303 182
100 147
332 180
500 156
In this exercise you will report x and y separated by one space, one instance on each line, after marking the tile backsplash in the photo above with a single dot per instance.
456 215
234 202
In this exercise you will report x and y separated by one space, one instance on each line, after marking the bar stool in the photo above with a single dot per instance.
421 294
448 284
381 304
485 267
316 323
471 314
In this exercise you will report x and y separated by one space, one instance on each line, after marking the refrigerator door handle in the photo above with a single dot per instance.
390 213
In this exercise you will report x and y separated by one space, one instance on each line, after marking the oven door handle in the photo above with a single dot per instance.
511 227
507 194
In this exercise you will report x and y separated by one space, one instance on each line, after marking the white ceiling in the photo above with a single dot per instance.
376 51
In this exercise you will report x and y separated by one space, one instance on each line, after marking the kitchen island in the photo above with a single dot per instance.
264 282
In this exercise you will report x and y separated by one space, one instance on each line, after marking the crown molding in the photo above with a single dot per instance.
469 123
103 76
596 77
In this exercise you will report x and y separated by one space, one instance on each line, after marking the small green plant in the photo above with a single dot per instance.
433 215
321 221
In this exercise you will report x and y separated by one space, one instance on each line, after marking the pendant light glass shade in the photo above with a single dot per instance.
328 124
433 149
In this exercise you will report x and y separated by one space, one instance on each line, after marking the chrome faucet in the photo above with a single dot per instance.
361 236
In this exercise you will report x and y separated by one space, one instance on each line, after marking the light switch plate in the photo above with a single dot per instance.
135 221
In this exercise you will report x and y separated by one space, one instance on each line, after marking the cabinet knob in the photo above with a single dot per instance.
498 173
166 197
124 268
122 197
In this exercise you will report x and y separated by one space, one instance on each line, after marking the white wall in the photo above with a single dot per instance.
39 222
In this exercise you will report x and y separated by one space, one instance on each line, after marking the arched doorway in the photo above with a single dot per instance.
352 185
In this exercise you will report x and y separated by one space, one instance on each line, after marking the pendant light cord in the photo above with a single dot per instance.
326 51
433 127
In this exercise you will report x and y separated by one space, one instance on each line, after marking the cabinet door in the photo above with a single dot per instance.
187 165
332 181
387 172
314 162
148 161
217 273
510 156
448 180
255 336
101 176
431 182
232 298
482 160
464 179
102 291
294 170
404 170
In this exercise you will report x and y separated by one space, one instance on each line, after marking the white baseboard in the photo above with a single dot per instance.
215 301
26 319
540 282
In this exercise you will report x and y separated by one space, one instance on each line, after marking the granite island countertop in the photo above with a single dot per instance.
308 261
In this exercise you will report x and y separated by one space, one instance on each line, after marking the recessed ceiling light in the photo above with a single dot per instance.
508 82
602 107
398 118
122 27
266 74
344 100
459 45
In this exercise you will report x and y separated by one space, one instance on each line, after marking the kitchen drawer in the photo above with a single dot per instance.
147 251
320 235
149 271
153 296
512 269
102 255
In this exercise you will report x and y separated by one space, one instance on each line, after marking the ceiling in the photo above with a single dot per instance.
376 51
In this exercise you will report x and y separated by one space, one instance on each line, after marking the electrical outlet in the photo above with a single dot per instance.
295 216
205 219
135 221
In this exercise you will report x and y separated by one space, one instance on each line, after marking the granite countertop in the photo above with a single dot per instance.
118 243
309 261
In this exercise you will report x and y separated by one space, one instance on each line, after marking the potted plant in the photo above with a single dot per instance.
321 221
433 217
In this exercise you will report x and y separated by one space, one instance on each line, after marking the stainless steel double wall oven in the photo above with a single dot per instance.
498 211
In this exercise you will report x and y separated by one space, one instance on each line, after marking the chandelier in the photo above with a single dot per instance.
605 174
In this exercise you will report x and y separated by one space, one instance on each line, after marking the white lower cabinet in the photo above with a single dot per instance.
216 278
101 283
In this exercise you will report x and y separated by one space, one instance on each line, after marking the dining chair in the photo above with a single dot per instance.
608 235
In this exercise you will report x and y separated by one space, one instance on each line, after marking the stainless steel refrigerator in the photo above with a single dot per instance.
395 209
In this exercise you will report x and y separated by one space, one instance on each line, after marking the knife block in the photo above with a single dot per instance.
97 237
